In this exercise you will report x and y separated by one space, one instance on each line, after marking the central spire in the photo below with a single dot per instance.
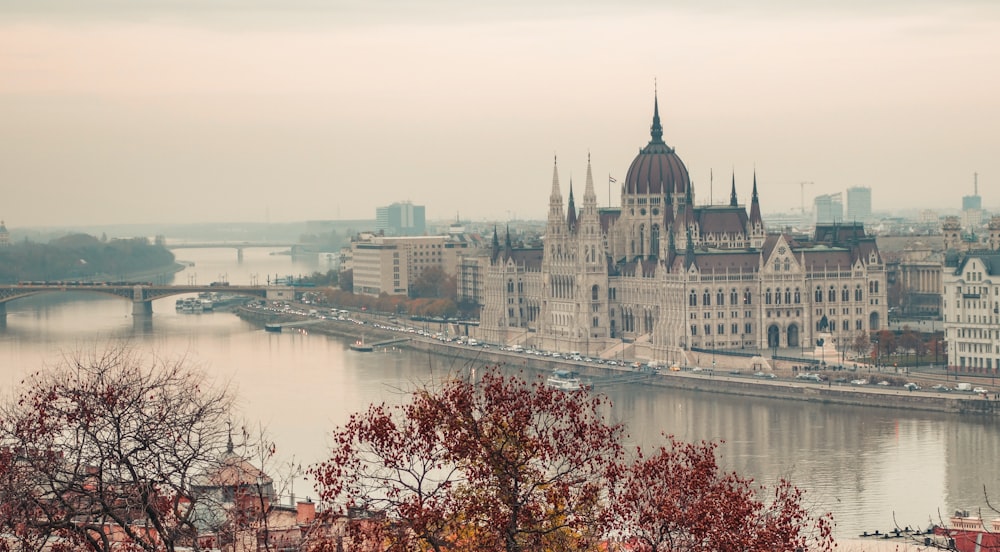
656 131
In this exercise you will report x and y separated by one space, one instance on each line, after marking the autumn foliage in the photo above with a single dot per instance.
504 464
99 453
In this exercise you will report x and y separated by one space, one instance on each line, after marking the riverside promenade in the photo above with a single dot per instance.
705 381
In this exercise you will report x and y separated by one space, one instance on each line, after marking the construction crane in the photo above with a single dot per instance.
802 196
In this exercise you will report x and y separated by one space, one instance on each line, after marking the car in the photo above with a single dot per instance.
981 390
766 375
883 383
941 388
911 386
859 382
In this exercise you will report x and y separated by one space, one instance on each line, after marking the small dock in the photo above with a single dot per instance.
276 327
389 342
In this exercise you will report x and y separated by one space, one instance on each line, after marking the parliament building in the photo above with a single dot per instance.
662 276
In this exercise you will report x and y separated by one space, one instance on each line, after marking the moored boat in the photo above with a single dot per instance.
565 380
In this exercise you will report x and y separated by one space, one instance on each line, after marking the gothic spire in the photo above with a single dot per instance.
656 131
571 211
732 193
754 204
589 196
556 192
496 244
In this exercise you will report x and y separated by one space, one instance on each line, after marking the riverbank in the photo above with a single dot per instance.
742 385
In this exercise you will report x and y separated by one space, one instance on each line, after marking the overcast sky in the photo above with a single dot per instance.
128 111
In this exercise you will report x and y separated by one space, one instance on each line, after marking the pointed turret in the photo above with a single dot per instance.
732 193
656 130
508 247
589 196
571 210
755 205
689 251
495 250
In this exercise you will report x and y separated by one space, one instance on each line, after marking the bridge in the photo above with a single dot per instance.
141 294
238 246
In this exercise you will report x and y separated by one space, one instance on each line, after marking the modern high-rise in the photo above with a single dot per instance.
401 219
829 208
859 204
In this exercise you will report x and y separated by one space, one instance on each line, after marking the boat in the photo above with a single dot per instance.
360 346
276 328
565 380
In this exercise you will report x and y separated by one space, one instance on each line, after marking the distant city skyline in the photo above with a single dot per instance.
186 111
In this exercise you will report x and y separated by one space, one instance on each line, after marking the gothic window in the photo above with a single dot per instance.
747 297
694 329
845 294
777 265
832 294
708 329
819 294
798 298
858 293
720 298
510 286
595 292
788 296
706 298
777 296
520 286
767 297
733 296
721 329
693 299
788 265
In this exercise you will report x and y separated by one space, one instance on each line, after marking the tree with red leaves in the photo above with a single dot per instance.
508 465
99 452
679 500
495 465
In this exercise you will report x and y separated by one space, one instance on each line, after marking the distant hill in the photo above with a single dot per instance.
80 257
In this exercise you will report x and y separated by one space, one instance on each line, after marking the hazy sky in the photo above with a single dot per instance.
124 111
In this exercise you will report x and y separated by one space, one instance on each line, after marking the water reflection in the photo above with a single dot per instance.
864 464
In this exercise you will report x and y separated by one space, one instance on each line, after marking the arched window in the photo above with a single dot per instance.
832 294
706 298
595 292
720 298
788 296
819 294
693 299
858 293
876 286
767 297
777 296
733 296
510 286
798 298
747 297
845 294
788 265
777 265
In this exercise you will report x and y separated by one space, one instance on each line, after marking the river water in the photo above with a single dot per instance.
871 467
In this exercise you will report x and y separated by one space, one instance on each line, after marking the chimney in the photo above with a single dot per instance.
305 512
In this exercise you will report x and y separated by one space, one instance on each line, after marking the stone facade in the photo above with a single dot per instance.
660 276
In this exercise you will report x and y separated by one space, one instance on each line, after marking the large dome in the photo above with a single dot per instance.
657 168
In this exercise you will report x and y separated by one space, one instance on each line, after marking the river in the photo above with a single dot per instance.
868 466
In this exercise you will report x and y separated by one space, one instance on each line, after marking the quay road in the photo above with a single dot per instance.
744 384
141 294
